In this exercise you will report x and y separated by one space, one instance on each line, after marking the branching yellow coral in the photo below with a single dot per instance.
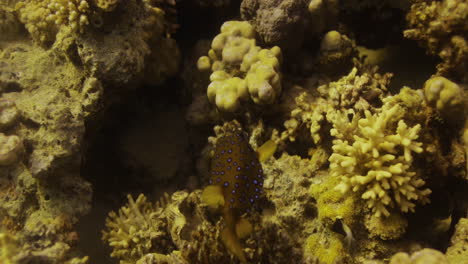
43 19
240 68
376 161
137 229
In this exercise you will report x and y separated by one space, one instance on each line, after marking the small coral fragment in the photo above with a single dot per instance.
336 52
11 148
8 113
376 161
240 68
446 96
107 5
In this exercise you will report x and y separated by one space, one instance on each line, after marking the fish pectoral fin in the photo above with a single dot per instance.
266 150
213 196
232 243
243 228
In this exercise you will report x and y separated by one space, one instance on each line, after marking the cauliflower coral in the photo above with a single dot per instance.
376 161
43 19
240 68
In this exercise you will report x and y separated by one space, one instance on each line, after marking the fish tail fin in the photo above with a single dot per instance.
213 196
266 150
232 243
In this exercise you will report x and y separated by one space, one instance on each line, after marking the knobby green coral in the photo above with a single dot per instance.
446 96
240 68
377 162
43 19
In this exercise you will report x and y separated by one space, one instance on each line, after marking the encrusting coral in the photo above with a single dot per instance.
376 161
240 68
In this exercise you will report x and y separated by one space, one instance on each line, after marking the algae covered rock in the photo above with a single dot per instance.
458 250
281 23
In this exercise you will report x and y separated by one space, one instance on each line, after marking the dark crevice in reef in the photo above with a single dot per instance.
410 65
389 22
108 169
201 23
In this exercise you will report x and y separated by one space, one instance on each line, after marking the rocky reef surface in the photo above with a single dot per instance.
116 117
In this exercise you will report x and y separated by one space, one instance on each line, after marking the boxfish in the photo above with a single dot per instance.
236 184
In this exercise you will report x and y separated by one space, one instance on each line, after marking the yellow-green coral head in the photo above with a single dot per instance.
446 96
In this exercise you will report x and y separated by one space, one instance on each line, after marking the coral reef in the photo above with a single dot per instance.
137 48
324 150
440 27
186 226
234 53
50 88
136 230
